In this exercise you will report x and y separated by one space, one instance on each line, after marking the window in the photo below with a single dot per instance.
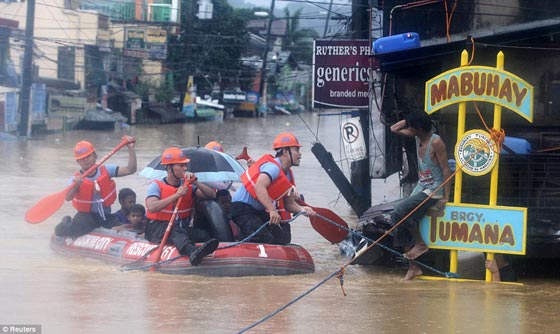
66 62
72 4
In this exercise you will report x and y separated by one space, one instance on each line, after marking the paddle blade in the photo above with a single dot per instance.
243 155
45 207
331 232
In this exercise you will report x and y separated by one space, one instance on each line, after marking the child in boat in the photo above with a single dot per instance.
136 219
223 198
127 198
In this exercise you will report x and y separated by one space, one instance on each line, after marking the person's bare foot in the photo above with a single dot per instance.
413 271
416 251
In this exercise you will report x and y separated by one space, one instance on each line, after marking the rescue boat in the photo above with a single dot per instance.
230 259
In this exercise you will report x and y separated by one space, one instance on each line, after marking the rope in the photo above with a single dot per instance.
472 52
257 231
124 267
448 17
376 242
293 301
498 136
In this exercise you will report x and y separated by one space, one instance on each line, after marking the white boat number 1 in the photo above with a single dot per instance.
263 251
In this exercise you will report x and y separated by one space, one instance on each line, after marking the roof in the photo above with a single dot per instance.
434 48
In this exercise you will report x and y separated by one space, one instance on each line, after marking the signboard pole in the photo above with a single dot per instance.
495 171
461 118
497 126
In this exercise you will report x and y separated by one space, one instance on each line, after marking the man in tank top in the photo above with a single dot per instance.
433 170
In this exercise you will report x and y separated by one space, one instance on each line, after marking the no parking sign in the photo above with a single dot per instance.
353 139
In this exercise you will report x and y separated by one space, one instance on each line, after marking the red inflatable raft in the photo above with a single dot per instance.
247 259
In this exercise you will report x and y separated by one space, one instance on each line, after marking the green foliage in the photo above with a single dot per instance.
302 48
142 89
298 41
209 47
163 92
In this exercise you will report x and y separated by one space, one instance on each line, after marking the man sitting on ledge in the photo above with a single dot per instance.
433 170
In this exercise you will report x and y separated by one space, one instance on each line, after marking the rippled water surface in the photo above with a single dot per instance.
75 295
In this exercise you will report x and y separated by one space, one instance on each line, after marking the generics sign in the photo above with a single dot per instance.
482 228
341 73
480 83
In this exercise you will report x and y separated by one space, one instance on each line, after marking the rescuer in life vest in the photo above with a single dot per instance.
162 198
267 182
93 194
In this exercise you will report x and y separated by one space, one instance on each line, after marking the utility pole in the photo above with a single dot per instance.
360 173
27 70
262 98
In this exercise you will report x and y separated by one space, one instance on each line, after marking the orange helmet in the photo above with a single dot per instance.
285 139
83 149
173 155
214 145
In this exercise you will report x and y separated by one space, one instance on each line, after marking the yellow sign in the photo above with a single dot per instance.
476 153
473 227
480 83
156 36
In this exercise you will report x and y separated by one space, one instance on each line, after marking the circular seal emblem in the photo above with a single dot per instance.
476 152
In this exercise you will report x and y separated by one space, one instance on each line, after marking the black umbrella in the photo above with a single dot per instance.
208 165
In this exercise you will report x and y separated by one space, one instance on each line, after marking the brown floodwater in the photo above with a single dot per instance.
77 295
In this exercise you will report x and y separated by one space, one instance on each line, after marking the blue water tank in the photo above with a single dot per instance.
517 145
400 42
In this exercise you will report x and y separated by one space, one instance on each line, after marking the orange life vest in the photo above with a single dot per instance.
184 210
285 214
107 191
277 189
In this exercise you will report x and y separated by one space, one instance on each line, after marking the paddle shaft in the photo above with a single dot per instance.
170 225
167 232
47 206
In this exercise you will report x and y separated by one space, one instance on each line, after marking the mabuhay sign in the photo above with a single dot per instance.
481 228
480 83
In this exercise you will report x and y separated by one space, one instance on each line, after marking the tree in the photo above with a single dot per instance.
209 50
298 41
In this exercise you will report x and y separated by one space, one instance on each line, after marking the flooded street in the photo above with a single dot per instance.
76 295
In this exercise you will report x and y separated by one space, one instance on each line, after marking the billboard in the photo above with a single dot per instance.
341 73
146 43
62 105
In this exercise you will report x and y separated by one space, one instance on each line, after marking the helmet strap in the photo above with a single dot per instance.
173 171
291 159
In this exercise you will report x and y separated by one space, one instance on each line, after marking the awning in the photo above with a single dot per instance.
59 83
4 89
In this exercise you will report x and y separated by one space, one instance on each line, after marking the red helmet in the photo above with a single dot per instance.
174 155
285 139
83 149
214 145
